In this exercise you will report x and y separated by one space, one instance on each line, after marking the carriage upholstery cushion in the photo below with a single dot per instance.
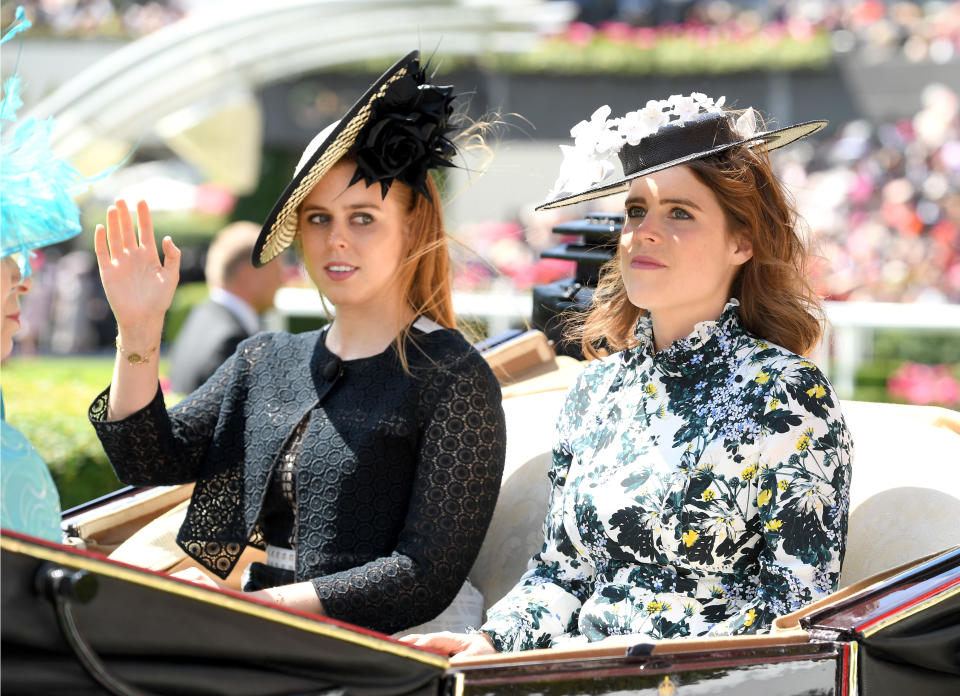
905 491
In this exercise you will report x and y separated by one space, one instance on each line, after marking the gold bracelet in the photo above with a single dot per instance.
135 358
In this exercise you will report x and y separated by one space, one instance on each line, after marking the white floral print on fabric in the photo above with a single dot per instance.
699 490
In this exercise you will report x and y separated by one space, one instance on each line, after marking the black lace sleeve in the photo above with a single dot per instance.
154 447
460 464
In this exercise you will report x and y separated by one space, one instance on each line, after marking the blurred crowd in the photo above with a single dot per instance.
91 18
878 29
917 30
882 205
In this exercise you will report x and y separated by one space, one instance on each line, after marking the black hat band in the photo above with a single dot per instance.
676 141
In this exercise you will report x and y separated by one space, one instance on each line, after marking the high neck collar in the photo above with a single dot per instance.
720 333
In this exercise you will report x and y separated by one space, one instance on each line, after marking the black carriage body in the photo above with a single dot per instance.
158 635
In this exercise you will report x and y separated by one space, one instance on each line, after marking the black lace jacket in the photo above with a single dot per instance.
397 478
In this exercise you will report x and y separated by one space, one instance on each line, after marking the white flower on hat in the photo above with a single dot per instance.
708 104
637 125
595 136
579 170
588 161
746 125
598 140
684 108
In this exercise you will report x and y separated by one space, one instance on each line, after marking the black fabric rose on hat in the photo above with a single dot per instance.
408 135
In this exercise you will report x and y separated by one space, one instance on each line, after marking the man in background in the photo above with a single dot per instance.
239 293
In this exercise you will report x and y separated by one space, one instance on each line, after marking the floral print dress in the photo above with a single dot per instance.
698 490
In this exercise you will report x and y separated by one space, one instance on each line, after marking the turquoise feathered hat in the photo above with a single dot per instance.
36 186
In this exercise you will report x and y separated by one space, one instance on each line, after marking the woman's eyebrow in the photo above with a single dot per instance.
675 201
352 206
682 201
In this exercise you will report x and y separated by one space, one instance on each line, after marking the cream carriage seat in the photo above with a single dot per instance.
905 493
515 531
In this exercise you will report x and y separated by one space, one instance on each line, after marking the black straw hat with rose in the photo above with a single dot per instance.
663 134
397 131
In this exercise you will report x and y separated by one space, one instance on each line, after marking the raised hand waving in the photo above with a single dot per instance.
138 286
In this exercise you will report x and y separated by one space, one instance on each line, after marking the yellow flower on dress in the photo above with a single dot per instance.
650 388
774 525
709 495
762 377
782 484
804 440
816 392
750 618
654 607
748 473
764 496
774 403
690 537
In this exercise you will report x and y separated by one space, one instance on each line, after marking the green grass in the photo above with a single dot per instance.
47 399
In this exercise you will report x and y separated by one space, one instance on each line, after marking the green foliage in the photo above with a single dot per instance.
276 170
870 381
47 399
682 53
669 55
184 299
927 347
302 324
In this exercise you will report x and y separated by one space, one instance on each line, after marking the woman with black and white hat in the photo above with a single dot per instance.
700 481
366 456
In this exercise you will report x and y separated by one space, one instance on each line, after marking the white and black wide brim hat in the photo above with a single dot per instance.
397 131
661 142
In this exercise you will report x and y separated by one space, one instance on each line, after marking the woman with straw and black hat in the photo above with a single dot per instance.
367 456
700 481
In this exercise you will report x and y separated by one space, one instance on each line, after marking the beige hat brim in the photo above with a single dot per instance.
280 228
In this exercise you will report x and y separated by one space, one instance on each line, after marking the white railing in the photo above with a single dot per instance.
846 343
849 337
